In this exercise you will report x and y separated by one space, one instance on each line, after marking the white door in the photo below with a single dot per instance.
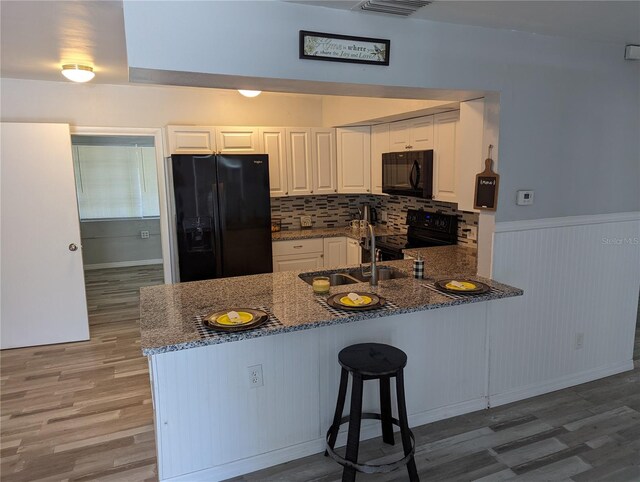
325 179
42 283
354 159
379 146
299 157
273 145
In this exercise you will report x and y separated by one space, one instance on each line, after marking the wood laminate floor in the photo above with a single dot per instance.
82 411
113 294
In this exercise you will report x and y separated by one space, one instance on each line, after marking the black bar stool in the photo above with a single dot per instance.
371 361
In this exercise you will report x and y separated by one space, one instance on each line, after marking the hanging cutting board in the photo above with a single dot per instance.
487 182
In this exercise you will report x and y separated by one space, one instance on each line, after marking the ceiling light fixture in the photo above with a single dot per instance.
250 93
78 73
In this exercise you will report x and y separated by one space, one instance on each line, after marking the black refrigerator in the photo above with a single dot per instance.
222 215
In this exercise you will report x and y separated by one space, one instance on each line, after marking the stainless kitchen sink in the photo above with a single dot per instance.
354 275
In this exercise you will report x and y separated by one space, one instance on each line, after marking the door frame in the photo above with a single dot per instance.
156 133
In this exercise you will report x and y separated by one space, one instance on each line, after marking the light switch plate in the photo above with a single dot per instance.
525 198
305 221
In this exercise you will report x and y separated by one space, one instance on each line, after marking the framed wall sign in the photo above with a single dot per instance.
344 48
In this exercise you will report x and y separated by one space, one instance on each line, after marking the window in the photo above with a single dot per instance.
115 176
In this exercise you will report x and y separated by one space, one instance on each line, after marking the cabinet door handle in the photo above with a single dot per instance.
311 192
297 247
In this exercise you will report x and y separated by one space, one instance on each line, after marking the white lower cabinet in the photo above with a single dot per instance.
298 262
298 255
354 252
335 252
315 253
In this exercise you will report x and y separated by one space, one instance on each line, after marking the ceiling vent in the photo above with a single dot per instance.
403 8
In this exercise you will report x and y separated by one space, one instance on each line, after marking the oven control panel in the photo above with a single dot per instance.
444 223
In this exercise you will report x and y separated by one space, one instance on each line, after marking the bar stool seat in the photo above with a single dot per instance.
369 361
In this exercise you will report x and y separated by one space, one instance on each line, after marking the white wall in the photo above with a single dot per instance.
339 110
568 110
102 105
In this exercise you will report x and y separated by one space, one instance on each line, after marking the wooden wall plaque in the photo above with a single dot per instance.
487 183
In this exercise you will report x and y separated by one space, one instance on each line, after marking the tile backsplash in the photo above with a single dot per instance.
336 210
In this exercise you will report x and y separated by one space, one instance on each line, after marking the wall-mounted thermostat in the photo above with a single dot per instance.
525 198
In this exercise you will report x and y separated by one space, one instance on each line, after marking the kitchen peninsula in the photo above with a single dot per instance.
211 424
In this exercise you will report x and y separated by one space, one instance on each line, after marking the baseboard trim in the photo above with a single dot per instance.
559 383
123 264
286 454
563 222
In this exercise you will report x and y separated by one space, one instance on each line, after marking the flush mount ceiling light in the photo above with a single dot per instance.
250 93
78 73
403 8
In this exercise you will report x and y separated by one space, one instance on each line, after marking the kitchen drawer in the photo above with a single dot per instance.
298 246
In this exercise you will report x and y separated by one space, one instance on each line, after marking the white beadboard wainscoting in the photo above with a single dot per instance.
580 275
210 425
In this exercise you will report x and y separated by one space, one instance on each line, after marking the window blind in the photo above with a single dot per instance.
115 181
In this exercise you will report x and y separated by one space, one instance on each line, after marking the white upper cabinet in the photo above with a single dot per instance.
354 159
446 160
298 146
238 140
273 144
325 176
421 133
399 135
380 144
411 134
191 139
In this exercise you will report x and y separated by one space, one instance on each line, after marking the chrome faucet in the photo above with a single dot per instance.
370 241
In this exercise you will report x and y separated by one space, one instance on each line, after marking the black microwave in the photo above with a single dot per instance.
408 173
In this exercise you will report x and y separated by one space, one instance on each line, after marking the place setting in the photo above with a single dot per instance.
346 303
235 320
459 288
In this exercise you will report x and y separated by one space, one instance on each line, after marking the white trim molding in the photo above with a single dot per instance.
122 264
156 132
562 222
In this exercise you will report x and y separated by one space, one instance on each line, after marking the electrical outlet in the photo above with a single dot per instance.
579 340
255 376
472 234
144 234
383 216
305 221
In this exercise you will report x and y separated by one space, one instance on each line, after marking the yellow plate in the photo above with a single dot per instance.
466 286
345 300
244 319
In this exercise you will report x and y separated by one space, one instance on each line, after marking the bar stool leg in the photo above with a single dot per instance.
385 410
353 437
404 426
342 394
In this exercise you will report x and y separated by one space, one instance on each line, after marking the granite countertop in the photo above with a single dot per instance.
167 312
326 233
